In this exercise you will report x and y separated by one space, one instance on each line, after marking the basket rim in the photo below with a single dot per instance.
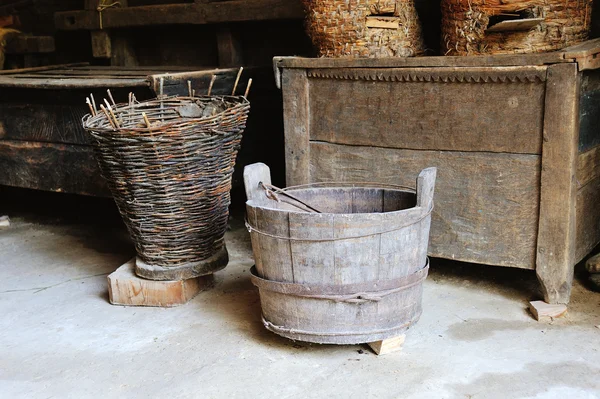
88 119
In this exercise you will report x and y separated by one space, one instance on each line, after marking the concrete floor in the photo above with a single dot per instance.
61 338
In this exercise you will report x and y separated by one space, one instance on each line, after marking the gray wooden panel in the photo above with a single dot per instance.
587 219
313 262
486 203
275 260
492 116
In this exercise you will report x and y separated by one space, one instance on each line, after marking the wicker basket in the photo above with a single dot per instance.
474 27
171 180
364 28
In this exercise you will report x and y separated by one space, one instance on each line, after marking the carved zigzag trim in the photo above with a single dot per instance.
517 76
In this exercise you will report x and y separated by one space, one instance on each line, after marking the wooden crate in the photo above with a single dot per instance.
514 138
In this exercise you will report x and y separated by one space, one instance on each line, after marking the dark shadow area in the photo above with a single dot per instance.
94 221
507 281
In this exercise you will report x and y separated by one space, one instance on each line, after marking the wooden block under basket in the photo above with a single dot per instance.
125 288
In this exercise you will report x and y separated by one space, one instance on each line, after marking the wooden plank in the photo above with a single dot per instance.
490 116
296 126
587 48
486 204
51 167
229 48
588 166
176 83
587 218
173 14
101 45
127 289
515 25
23 44
434 61
556 233
70 83
41 68
123 52
313 262
383 22
56 123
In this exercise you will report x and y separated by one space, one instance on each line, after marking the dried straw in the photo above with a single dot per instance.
338 28
464 24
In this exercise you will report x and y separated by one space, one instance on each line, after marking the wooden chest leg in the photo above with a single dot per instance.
556 230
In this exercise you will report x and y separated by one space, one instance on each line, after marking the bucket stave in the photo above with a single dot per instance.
351 274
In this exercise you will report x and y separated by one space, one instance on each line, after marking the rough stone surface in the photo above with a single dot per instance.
61 337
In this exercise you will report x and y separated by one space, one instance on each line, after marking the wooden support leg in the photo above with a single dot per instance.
229 48
389 345
556 231
126 288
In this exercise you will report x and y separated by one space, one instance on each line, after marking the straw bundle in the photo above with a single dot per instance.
466 24
364 28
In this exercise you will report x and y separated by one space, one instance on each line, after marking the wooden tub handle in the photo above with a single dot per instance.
426 187
254 175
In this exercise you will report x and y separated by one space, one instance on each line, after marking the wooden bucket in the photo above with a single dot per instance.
351 274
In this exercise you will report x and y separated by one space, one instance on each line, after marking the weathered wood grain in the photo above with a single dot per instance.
24 44
588 166
355 277
474 194
50 167
492 117
171 14
557 229
101 44
389 345
296 125
127 289
436 61
55 123
587 218
229 47
589 110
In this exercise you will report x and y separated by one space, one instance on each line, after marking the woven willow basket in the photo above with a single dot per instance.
549 25
364 28
171 181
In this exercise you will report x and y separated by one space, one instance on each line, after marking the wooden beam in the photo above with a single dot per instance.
23 44
101 45
296 126
229 47
51 167
192 14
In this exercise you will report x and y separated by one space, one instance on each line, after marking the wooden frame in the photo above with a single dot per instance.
518 159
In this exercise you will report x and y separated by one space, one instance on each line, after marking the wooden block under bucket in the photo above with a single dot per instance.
389 345
126 288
